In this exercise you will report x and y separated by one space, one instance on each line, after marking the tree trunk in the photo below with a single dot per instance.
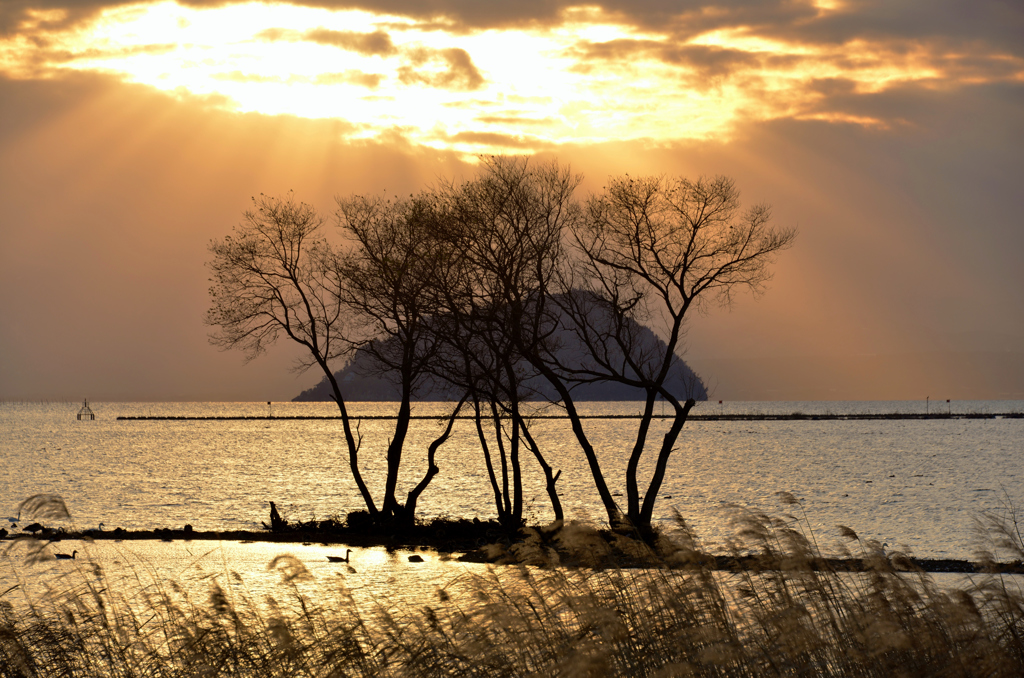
667 445
394 456
615 517
408 513
507 515
487 458
353 444
632 486
549 476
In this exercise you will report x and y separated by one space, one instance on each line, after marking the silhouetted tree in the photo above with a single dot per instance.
573 288
479 358
650 250
383 280
276 275
508 224
494 282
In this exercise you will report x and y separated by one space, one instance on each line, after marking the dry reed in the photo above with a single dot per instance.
677 618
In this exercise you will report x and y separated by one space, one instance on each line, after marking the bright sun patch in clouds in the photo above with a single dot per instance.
584 79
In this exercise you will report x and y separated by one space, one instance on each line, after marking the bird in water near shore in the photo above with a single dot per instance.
339 559
64 556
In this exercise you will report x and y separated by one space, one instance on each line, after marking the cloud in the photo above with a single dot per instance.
377 43
699 71
351 77
515 120
279 34
999 23
709 62
450 69
996 23
494 141
29 16
239 76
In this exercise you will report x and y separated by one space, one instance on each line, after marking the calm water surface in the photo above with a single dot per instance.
913 484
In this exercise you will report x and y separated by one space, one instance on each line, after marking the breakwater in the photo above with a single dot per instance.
796 416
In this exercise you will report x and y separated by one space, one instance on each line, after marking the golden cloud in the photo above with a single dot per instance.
446 68
589 76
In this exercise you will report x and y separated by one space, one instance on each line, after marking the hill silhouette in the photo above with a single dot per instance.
360 381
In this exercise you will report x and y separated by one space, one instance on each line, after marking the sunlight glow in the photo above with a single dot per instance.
585 79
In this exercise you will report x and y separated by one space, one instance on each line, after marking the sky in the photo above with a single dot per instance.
889 133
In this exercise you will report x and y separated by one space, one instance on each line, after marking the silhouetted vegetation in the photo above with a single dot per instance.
491 285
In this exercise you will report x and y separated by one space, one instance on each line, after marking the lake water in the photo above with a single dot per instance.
914 484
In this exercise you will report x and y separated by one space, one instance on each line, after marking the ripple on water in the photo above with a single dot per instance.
913 483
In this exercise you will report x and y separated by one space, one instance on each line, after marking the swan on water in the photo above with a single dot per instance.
339 559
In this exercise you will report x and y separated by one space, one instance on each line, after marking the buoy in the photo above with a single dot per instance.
85 414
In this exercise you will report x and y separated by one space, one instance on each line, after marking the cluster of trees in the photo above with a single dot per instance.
489 286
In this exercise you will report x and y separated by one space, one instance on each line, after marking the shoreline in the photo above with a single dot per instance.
475 550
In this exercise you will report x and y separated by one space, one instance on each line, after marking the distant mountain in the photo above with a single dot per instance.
358 383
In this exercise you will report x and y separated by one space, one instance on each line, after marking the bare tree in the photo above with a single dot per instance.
649 251
490 283
384 277
276 275
478 357
643 253
508 224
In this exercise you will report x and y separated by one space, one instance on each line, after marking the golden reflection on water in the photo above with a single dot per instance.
242 569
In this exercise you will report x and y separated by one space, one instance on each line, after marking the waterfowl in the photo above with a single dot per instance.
339 559
64 556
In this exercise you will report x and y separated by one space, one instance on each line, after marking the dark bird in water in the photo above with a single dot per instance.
64 556
3 533
33 528
339 559
415 558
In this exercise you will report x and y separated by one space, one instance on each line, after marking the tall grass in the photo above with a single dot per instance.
788 616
